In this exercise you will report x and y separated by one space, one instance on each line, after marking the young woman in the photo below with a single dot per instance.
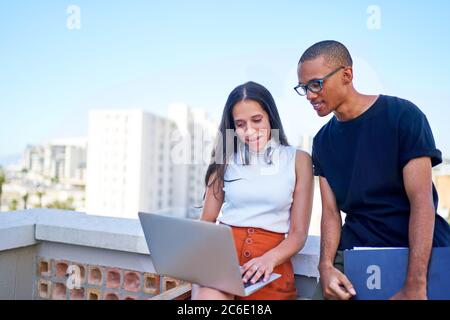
262 188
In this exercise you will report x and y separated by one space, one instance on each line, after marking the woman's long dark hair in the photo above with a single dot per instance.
222 149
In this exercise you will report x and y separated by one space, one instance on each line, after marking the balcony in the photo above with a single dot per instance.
65 255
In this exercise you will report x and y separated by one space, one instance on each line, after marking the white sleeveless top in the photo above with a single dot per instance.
260 195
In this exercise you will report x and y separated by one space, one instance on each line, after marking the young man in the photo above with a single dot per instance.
374 160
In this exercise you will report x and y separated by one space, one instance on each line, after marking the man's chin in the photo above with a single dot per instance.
322 113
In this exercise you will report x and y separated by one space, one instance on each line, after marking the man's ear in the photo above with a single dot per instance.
348 75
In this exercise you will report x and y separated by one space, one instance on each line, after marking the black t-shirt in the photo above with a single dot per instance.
362 160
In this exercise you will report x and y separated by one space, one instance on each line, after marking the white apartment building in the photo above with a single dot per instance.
441 178
305 143
63 160
127 168
54 173
197 133
132 166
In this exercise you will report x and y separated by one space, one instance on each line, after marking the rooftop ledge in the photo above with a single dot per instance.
108 241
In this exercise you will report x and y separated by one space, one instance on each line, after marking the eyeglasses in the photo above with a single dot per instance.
315 85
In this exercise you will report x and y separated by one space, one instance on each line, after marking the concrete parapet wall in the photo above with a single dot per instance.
42 249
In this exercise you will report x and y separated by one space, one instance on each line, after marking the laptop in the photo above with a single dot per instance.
196 251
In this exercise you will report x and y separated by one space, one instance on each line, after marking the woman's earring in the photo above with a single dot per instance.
268 155
245 154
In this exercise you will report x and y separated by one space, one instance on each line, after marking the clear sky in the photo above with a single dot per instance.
147 54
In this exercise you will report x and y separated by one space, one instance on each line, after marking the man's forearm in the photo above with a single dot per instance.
421 227
331 225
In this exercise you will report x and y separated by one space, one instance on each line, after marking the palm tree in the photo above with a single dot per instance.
25 200
64 205
40 193
2 181
13 205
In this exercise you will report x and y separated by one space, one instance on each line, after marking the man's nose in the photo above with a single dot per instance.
310 95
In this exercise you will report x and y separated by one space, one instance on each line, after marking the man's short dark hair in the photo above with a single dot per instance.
334 52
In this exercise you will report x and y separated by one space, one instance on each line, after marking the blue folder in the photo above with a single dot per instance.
377 274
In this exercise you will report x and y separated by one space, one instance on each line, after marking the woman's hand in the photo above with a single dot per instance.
254 269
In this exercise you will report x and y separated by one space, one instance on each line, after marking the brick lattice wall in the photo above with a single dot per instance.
55 278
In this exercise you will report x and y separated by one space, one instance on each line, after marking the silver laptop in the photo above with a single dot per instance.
196 251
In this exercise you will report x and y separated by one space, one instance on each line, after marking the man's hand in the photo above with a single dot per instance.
335 285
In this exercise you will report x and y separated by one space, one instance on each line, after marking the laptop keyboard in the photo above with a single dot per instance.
248 283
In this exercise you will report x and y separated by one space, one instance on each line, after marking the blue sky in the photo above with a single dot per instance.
147 54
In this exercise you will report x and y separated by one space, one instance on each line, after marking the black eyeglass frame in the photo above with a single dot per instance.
306 87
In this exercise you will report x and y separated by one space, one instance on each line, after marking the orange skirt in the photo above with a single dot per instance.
254 242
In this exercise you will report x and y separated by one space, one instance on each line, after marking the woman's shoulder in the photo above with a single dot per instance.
288 149
300 154
302 158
